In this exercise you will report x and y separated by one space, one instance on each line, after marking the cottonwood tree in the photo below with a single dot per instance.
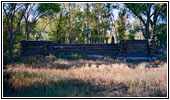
148 13
97 13
10 10
37 11
121 25
70 25
88 23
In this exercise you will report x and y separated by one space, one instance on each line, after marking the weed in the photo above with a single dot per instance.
85 78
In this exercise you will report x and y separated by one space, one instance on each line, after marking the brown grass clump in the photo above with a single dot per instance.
113 79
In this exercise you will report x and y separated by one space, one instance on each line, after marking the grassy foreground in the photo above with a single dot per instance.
85 78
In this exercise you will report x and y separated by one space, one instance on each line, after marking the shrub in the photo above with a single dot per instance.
50 58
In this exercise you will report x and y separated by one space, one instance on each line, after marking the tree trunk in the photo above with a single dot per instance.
102 36
70 26
105 34
105 31
153 32
59 23
11 39
11 46
98 30
13 32
154 25
91 41
147 32
113 40
87 23
26 29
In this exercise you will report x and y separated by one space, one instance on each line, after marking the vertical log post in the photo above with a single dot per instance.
45 48
22 48
50 47
123 49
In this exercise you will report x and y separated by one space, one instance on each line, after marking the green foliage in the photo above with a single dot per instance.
48 8
121 26
139 8
50 58
131 37
57 33
12 19
51 22
162 36
149 14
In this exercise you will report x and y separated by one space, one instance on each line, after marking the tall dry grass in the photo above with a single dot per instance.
87 78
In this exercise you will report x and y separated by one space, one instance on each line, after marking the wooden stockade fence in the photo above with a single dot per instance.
124 49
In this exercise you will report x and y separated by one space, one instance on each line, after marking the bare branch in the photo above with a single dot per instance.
16 9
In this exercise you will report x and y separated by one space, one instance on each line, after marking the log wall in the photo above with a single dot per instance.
125 48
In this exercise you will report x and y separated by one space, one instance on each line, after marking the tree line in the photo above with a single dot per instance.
82 23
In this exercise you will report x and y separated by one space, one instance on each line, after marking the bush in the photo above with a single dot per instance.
50 58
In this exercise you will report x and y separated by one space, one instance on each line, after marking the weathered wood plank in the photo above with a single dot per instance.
136 41
78 51
85 44
136 50
67 53
137 55
34 48
125 48
87 49
63 47
136 45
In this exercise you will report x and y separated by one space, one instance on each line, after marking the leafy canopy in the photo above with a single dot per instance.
48 8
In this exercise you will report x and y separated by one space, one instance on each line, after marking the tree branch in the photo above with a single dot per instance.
18 8
138 15
18 24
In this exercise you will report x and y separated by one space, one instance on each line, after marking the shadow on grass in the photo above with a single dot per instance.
75 88
62 88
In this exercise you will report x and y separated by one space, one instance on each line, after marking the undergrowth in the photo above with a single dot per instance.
57 77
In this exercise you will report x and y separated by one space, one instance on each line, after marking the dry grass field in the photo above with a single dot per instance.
85 78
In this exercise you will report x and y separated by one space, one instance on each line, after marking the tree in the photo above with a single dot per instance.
87 23
70 26
37 11
107 13
97 8
55 30
148 13
121 25
161 41
160 10
28 26
10 11
98 20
